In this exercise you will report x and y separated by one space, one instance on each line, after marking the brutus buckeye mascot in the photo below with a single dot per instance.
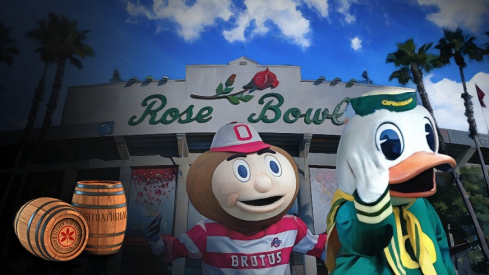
244 187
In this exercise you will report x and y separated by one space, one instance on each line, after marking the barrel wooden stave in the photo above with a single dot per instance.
51 229
103 205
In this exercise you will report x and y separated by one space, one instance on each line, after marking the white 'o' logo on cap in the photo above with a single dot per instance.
243 132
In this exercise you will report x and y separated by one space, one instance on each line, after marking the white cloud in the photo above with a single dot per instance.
456 13
449 106
356 44
344 9
191 20
320 5
283 13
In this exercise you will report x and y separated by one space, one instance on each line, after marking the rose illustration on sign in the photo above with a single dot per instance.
261 81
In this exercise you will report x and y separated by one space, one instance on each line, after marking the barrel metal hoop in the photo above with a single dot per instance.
99 193
107 235
99 186
103 246
99 253
99 206
17 217
30 222
41 246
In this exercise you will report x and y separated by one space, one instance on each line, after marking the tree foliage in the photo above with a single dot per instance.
453 213
408 59
473 181
64 42
412 64
451 208
6 47
456 45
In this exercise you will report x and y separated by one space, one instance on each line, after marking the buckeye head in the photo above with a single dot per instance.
242 182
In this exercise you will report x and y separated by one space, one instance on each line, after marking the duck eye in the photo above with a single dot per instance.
388 139
273 165
241 170
430 134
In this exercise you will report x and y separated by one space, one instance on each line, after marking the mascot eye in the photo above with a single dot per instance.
241 170
273 165
430 134
388 139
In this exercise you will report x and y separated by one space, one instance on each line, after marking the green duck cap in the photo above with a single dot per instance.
392 100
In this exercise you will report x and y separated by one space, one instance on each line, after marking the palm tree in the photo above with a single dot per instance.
455 44
61 42
47 56
41 34
66 44
6 49
412 64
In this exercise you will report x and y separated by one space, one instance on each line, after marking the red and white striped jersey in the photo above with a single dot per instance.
224 251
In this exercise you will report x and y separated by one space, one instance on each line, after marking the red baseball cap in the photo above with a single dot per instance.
237 137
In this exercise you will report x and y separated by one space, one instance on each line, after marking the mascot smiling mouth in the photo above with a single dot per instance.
415 176
262 202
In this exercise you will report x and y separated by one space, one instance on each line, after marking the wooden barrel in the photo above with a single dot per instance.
103 205
51 229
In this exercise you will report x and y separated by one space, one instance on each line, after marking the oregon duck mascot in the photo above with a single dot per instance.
244 187
380 221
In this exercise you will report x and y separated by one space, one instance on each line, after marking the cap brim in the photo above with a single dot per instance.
246 148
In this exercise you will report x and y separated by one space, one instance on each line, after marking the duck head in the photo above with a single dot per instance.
391 126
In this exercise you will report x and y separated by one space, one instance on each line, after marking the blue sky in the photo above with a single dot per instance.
333 38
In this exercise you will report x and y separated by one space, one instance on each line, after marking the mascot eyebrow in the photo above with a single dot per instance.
240 155
266 150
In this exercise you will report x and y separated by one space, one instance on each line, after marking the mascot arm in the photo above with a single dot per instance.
365 228
157 247
441 238
308 243
170 248
153 236
190 244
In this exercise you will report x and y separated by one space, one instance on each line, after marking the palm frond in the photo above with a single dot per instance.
403 75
